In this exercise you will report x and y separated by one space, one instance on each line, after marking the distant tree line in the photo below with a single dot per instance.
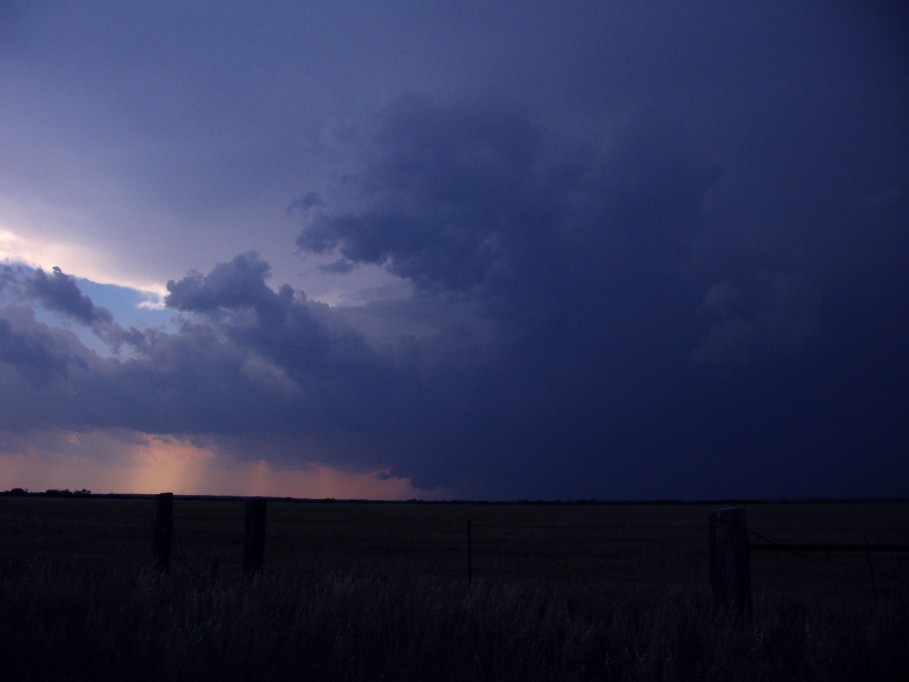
52 492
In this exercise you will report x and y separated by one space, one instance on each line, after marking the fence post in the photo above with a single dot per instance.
162 527
469 554
254 539
730 568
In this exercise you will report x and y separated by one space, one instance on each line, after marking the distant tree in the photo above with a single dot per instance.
17 492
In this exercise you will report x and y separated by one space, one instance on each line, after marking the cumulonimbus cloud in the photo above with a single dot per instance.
585 329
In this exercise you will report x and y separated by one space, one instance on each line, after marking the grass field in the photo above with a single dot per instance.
379 591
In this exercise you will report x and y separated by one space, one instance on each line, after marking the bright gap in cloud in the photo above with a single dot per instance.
74 259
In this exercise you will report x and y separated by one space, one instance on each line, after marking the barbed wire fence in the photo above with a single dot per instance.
201 557
731 547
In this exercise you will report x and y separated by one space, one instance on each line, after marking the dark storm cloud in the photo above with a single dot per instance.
58 291
240 283
776 315
248 360
192 383
441 187
475 201
666 258
581 325
299 335
620 355
334 392
32 354
574 254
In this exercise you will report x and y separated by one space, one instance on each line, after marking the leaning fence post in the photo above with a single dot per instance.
730 569
162 527
254 539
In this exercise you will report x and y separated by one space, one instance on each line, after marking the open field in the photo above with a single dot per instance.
373 591
659 547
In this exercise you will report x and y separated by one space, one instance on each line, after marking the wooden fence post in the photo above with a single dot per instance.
162 528
730 568
469 555
254 539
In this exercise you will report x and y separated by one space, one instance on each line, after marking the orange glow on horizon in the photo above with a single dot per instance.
143 463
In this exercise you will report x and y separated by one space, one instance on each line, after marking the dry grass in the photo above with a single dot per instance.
371 592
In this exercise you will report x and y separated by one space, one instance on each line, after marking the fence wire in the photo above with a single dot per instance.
673 555
798 550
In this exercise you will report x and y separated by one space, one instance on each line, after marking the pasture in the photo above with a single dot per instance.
366 591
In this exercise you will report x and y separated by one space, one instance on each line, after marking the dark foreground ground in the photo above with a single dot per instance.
380 591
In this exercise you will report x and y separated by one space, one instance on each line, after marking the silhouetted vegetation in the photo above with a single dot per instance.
370 592
55 624
66 492
50 492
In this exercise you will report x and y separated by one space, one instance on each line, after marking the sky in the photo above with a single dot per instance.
455 250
